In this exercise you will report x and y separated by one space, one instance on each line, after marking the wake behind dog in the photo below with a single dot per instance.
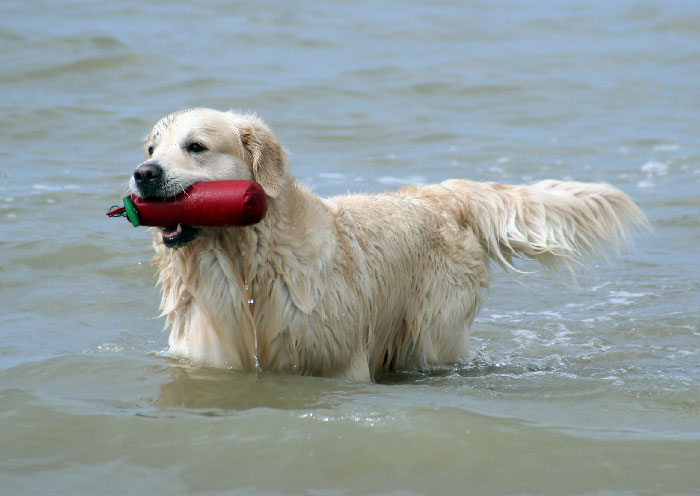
353 285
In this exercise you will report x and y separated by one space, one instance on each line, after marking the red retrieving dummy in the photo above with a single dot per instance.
205 204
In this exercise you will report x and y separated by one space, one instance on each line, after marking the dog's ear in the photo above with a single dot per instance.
267 156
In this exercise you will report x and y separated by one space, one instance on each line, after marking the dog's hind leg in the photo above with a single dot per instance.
357 370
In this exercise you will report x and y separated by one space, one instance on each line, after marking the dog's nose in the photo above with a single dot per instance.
147 172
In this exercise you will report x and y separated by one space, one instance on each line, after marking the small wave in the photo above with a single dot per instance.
655 168
53 187
109 348
85 65
332 175
601 286
525 336
624 297
665 148
392 180
652 169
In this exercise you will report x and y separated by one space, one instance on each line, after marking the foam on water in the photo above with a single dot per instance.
625 298
666 148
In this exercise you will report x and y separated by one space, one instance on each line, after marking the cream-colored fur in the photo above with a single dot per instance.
353 285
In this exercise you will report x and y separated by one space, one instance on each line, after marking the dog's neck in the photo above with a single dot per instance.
222 293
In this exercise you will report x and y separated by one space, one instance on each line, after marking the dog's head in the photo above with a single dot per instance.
206 145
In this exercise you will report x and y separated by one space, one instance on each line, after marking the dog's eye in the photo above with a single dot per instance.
150 150
196 148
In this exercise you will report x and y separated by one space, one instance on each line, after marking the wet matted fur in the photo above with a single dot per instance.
352 285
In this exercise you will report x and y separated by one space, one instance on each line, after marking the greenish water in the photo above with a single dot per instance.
588 389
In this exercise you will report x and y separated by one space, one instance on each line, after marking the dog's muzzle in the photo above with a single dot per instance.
149 179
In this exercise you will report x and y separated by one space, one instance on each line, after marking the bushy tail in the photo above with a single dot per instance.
557 223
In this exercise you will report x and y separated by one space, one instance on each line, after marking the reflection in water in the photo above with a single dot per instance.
207 388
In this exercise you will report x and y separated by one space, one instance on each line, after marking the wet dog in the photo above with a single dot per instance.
353 285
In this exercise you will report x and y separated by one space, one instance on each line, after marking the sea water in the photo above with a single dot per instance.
586 387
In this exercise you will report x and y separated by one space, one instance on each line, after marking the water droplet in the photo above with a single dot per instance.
245 286
251 300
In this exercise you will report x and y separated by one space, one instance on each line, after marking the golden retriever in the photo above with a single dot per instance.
353 285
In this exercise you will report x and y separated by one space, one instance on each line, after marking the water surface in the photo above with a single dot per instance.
588 388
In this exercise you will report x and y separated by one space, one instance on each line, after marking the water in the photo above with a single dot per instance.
572 389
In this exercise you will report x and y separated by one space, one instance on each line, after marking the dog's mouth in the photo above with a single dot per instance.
175 236
178 236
